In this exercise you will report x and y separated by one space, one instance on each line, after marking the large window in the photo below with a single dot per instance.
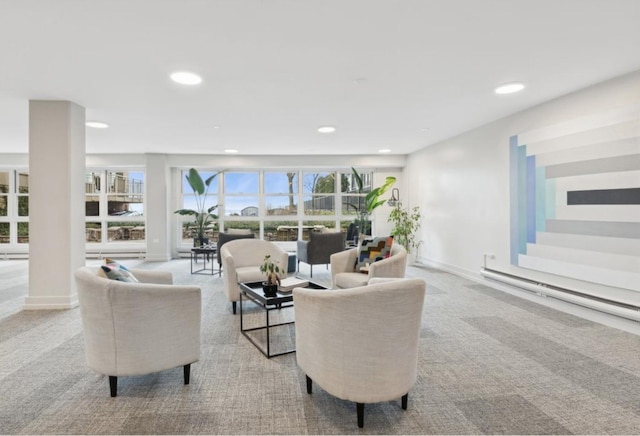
14 207
353 198
22 183
277 205
281 189
187 229
4 208
4 193
319 193
114 205
241 194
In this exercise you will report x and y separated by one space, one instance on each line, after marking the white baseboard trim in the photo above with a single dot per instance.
51 303
453 269
157 259
573 308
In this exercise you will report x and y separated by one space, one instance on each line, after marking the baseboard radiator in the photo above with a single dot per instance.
541 289
120 254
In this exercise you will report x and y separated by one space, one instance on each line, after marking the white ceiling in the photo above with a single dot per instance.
381 71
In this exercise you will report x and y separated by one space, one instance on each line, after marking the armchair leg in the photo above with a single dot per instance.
405 400
309 384
187 373
311 267
360 411
233 306
113 385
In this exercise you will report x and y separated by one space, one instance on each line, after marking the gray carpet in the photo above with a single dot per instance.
490 363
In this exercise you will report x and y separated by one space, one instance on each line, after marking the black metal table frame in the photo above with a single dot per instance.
207 253
281 301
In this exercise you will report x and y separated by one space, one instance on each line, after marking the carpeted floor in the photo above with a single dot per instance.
490 363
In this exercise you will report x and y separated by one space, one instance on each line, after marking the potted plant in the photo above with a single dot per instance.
271 270
405 225
203 216
371 201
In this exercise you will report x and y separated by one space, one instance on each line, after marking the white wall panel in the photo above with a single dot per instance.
588 136
618 180
615 212
616 115
617 262
462 186
580 152
603 244
620 279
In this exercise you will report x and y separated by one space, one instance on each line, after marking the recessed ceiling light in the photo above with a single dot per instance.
96 124
385 150
425 129
509 88
230 150
186 78
326 129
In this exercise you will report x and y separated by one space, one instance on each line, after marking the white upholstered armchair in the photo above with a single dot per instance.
138 328
241 260
360 344
343 264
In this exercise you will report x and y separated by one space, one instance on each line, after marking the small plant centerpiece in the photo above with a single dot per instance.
371 201
203 215
271 270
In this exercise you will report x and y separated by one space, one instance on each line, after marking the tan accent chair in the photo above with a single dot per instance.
343 274
319 248
241 260
138 328
360 344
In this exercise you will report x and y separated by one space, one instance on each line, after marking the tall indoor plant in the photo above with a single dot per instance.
405 226
203 215
371 201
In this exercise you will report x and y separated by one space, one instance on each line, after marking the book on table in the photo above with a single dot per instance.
287 284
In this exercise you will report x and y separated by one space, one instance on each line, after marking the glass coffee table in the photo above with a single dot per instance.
253 292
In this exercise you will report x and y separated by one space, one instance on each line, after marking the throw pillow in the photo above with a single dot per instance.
116 271
121 275
373 250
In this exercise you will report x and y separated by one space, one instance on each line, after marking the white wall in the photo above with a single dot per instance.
462 186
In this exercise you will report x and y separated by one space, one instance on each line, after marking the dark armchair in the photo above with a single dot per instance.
319 248
223 238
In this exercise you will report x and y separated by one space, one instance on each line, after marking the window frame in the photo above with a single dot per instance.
264 220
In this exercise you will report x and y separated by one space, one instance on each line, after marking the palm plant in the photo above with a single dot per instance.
203 216
371 200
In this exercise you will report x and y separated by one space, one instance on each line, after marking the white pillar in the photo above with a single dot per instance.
56 203
157 200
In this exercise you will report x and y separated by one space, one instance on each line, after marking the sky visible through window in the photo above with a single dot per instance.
242 189
138 177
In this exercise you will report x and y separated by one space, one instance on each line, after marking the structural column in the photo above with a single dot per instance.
56 203
156 212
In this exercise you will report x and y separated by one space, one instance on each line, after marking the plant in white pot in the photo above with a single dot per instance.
203 215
